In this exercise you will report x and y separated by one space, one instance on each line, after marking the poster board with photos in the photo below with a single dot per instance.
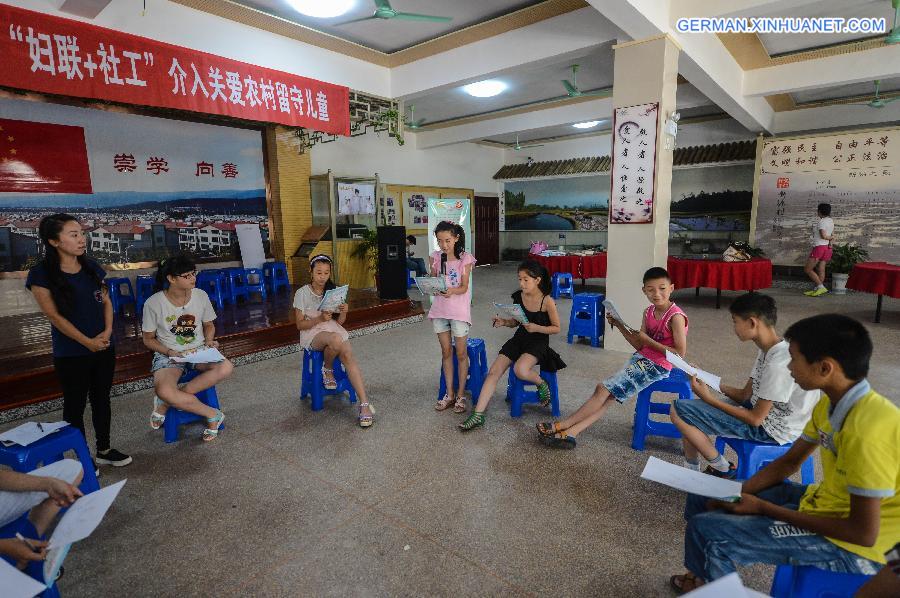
632 189
355 198
857 172
411 204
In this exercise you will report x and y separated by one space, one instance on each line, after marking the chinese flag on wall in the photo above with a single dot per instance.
43 158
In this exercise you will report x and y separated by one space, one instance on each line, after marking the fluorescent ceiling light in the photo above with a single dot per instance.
586 125
323 9
485 89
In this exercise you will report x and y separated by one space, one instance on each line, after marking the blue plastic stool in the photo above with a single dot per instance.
50 449
213 282
175 418
255 282
677 382
311 380
276 276
753 456
118 297
807 581
410 279
518 396
144 289
235 286
34 569
562 285
478 369
586 318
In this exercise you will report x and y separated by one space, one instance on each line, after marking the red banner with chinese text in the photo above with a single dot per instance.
61 56
43 158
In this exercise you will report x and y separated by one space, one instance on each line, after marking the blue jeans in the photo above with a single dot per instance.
713 421
417 265
715 542
638 374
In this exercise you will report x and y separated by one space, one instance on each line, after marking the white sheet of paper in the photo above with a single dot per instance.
713 381
688 480
333 299
29 432
614 313
84 515
16 584
431 285
730 585
206 355
512 311
54 561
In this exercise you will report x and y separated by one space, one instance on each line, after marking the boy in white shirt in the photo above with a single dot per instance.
770 408
823 233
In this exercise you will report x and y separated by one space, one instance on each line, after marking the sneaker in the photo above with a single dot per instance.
96 469
810 293
728 475
819 292
113 457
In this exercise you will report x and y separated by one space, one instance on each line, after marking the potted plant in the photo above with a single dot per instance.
843 258
367 249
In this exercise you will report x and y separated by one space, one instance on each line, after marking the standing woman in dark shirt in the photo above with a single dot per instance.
69 289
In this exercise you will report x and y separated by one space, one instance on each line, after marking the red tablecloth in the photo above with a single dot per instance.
718 274
587 266
879 278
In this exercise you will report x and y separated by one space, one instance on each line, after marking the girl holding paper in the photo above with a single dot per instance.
529 346
68 287
179 319
321 331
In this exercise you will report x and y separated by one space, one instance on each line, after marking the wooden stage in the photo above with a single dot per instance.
27 375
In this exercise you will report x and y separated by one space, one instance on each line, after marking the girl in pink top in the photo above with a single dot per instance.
664 327
451 311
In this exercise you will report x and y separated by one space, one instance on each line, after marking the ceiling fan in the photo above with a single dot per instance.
877 101
517 146
412 123
572 88
384 11
894 36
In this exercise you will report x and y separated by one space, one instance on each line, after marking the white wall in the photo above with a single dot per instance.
465 165
182 26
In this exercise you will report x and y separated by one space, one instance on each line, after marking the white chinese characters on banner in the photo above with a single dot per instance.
633 164
855 172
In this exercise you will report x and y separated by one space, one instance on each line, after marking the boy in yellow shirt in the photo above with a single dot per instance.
844 523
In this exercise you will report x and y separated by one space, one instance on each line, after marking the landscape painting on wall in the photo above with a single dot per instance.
142 187
716 198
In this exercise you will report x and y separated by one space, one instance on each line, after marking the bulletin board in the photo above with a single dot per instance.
411 203
857 172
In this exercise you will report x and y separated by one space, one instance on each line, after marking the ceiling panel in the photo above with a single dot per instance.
846 91
781 43
394 34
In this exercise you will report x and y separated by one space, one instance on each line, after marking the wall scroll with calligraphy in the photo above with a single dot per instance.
632 188
856 172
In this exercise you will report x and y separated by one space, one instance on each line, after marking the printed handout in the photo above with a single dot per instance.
688 480
713 381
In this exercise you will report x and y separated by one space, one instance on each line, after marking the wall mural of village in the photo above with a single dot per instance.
159 186
716 198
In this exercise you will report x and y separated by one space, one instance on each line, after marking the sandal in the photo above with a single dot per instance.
157 419
543 390
559 440
473 421
328 380
366 420
460 405
209 433
677 583
728 475
443 403
548 428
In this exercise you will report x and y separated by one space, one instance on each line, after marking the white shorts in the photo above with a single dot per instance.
456 327
15 504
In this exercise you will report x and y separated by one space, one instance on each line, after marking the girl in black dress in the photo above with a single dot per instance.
529 346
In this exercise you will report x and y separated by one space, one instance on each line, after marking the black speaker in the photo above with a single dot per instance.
392 262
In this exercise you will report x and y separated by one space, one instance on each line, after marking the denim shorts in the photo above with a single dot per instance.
715 422
638 374
161 361
456 327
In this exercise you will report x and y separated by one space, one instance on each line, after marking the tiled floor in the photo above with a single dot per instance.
293 503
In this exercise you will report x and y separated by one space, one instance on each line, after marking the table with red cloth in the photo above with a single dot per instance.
720 275
879 278
579 266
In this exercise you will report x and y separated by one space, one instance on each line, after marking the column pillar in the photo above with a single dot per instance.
645 71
